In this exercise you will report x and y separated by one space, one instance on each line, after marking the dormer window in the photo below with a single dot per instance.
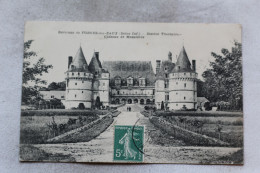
142 82
117 81
130 81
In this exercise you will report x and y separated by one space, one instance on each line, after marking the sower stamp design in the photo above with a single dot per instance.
128 143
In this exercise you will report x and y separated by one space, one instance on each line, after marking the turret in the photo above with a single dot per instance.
78 82
182 84
101 80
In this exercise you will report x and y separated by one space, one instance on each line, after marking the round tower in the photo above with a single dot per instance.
183 84
78 83
100 85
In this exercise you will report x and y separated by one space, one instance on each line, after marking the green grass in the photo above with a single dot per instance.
90 133
31 153
34 129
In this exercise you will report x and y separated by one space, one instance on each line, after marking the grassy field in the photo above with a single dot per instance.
34 129
31 153
224 126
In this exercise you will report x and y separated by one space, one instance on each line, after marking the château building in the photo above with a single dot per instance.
117 82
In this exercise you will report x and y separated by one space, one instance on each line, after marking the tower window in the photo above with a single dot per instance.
185 85
184 98
75 83
166 75
117 92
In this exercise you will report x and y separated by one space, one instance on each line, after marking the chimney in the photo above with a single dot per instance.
194 65
158 66
97 55
69 61
170 56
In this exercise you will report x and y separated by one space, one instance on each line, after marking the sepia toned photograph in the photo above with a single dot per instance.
132 93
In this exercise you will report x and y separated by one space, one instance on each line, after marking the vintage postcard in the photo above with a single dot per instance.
132 93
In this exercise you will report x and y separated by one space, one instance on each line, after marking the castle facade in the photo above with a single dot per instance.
117 82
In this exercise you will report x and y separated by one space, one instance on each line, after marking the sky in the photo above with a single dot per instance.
55 41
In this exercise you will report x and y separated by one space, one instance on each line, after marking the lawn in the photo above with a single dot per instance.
224 126
36 130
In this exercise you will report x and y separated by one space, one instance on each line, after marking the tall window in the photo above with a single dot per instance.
184 85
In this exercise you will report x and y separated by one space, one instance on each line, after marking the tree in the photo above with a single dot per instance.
53 86
200 88
162 105
32 73
57 86
223 81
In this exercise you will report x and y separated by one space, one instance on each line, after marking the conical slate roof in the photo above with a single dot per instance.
79 63
95 64
183 63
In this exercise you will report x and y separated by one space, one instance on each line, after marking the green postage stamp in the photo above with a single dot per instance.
128 143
